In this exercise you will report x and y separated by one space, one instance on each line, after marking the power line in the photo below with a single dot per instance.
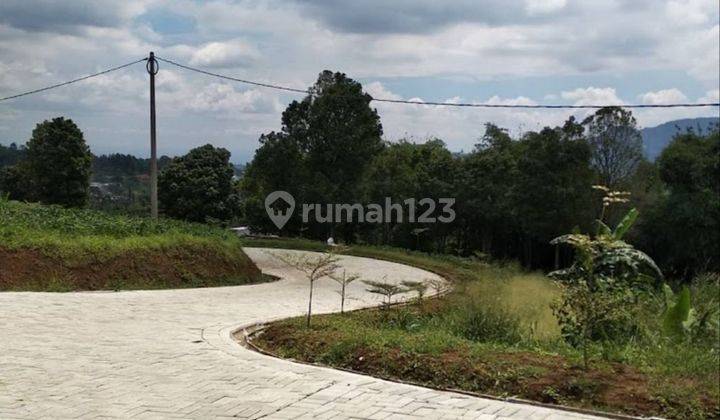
235 79
72 81
396 101
450 104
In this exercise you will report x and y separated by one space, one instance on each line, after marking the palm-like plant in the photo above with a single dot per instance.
385 289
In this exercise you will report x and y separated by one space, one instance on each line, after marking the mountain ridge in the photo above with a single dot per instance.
656 138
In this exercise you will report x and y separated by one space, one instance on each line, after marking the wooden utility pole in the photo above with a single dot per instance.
152 68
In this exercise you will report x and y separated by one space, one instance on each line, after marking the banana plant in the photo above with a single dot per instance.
679 314
606 259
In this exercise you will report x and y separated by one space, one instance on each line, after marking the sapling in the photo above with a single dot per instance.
314 267
343 281
418 287
438 285
385 289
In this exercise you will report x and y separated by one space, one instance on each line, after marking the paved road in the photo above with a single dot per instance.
169 354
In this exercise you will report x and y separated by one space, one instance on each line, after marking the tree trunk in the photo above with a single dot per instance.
310 305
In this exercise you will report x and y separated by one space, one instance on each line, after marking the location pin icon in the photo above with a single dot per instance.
279 206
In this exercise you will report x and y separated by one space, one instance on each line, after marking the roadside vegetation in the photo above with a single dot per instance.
50 248
495 333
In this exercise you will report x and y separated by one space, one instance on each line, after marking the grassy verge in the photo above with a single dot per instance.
55 249
495 334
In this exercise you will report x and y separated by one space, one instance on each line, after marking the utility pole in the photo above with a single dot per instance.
152 68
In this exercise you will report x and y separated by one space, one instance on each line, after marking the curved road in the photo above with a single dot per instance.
169 354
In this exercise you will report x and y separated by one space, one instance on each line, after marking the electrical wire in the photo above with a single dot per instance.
395 101
79 79
235 79
449 104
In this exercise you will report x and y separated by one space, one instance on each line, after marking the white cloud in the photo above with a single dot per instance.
534 7
377 90
592 96
223 97
711 96
690 12
234 53
665 96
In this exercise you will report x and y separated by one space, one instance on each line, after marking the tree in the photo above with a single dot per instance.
14 182
683 228
58 163
338 130
616 145
327 139
406 170
199 186
278 165
552 193
418 287
385 289
484 191
10 155
315 267
343 281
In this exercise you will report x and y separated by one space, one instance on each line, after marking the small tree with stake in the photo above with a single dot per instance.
315 267
343 281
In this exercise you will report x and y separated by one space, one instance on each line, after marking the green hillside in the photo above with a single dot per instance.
57 249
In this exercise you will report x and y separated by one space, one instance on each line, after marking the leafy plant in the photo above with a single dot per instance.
679 314
693 314
602 281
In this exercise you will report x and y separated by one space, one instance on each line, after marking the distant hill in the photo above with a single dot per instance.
656 138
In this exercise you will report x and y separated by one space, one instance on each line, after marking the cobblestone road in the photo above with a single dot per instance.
169 354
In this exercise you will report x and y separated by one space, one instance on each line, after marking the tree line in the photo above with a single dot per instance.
513 194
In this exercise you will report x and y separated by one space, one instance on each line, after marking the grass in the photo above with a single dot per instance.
74 233
57 249
495 334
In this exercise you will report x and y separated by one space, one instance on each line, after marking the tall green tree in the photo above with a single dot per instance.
552 193
484 192
406 170
616 145
339 133
683 228
199 186
278 165
58 163
327 141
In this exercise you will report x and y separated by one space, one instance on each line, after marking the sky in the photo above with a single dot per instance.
481 51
